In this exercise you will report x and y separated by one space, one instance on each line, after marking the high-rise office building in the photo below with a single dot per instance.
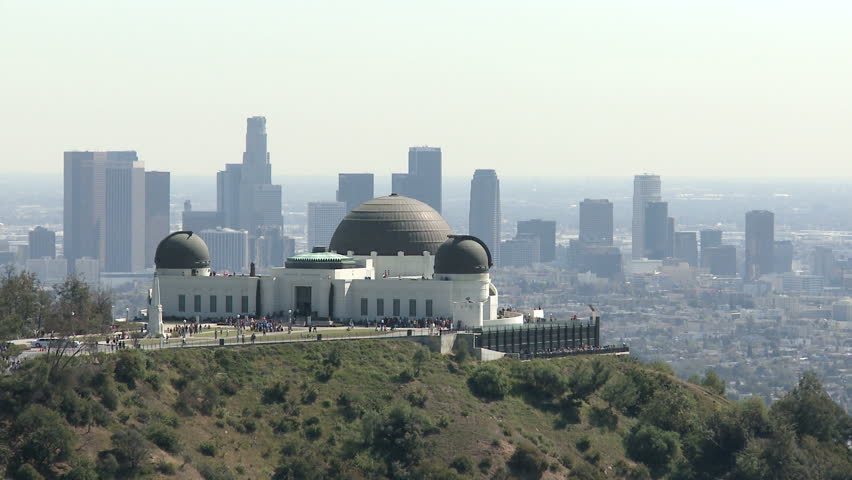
656 230
670 236
229 249
42 243
596 222
289 246
268 248
721 260
245 196
545 230
104 209
323 219
759 244
783 256
686 247
353 189
484 215
423 180
157 210
522 251
198 220
824 264
646 188
709 238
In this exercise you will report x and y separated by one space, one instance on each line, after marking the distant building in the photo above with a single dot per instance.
49 271
522 251
323 219
88 270
604 262
824 265
646 188
157 211
423 180
229 249
484 215
686 247
196 221
709 238
721 260
596 224
353 189
289 246
104 209
268 248
842 310
670 236
545 230
42 243
759 244
245 196
782 256
656 230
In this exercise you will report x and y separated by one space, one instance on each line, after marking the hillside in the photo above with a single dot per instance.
390 409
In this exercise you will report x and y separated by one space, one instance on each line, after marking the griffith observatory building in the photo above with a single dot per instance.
391 256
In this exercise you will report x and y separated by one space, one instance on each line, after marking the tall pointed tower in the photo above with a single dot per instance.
155 311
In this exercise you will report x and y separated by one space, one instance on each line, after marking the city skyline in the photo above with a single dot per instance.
657 77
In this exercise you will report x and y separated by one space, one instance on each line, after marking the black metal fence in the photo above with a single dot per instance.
532 338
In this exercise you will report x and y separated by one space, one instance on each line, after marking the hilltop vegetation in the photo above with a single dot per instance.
390 409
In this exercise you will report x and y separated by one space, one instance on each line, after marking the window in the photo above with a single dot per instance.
380 307
213 303
229 303
412 308
363 307
197 303
181 303
244 304
428 308
395 307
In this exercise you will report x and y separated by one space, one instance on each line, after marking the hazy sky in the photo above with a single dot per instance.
557 88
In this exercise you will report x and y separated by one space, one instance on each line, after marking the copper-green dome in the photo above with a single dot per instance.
388 225
182 250
463 254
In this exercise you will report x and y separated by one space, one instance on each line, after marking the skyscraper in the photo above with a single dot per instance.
596 222
323 219
783 255
545 230
157 226
42 243
423 180
759 244
245 196
104 209
721 260
709 238
353 189
646 188
229 249
686 247
656 230
484 214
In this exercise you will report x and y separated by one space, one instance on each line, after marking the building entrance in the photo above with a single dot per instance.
303 301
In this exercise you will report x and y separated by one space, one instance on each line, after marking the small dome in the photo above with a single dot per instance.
463 254
388 225
321 260
182 250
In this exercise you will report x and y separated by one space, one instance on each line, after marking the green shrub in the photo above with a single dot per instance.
43 436
484 464
654 447
207 448
130 448
489 382
461 351
107 465
397 434
27 472
462 464
129 367
309 396
583 444
164 437
417 398
527 461
166 468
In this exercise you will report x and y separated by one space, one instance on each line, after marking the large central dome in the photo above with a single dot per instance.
388 225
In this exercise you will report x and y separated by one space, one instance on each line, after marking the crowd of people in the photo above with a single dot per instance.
567 351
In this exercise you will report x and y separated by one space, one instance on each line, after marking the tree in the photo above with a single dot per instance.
130 367
713 382
42 437
23 304
131 447
587 378
527 461
489 382
398 435
421 357
810 411
654 447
